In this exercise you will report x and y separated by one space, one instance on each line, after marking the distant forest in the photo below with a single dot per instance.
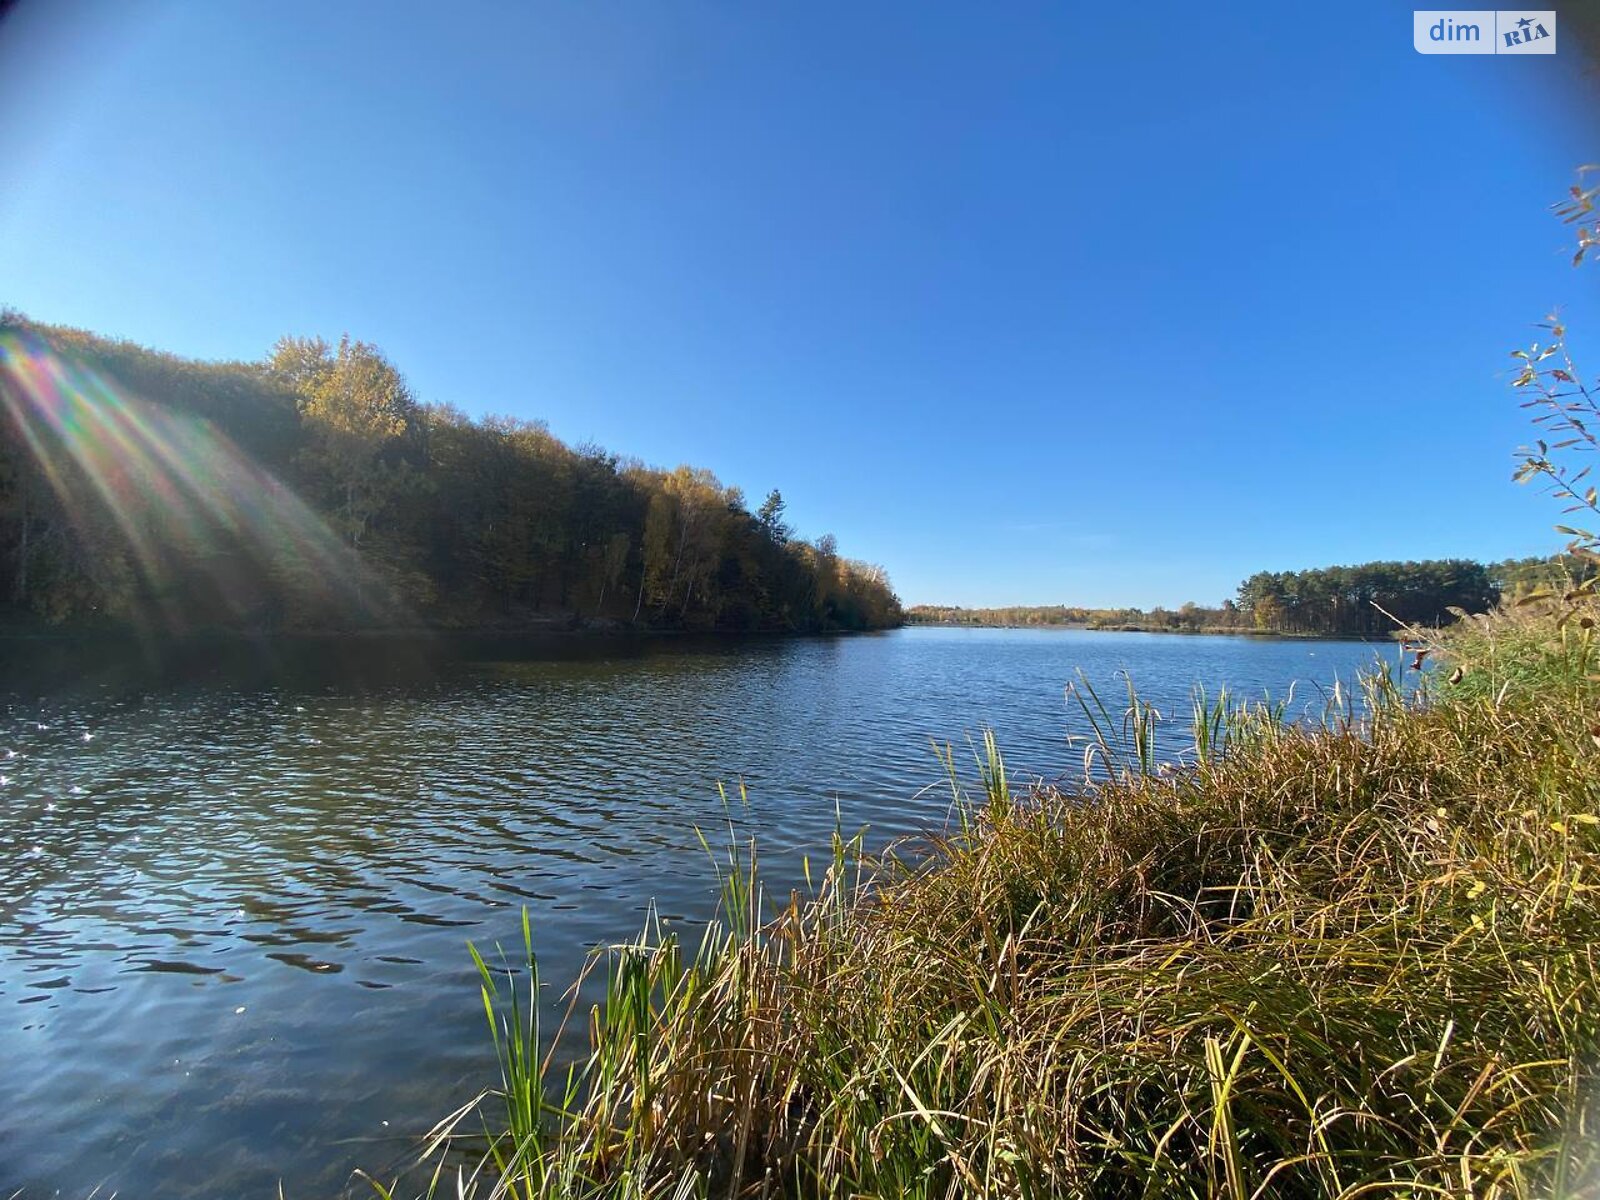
1337 601
313 491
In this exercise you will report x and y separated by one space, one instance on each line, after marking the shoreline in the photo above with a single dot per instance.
563 631
555 632
1262 634
566 632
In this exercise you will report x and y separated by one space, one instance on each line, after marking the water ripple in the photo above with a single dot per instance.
174 835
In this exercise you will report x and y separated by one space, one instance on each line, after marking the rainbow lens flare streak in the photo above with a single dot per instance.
189 510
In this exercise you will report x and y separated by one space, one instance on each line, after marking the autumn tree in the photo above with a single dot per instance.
357 412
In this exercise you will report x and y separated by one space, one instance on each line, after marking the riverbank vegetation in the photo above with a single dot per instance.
1348 959
313 490
1357 601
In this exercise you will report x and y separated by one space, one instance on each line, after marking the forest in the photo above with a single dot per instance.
1366 600
313 491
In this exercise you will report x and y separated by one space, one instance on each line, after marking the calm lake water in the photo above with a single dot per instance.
237 883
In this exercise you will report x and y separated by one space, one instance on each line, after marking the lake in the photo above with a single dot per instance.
237 880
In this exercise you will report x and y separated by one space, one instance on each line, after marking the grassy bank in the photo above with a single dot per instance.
1351 960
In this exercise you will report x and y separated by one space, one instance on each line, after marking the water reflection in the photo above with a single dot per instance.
236 881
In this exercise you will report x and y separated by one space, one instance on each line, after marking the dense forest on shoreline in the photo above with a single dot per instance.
1328 601
314 491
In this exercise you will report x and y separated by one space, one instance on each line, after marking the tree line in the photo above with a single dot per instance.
1365 600
313 490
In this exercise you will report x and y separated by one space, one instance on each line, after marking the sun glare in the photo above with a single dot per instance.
155 492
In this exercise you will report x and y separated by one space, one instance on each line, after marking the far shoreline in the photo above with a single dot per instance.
1262 634
558 630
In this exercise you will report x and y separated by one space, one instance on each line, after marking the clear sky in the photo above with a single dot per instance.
1031 304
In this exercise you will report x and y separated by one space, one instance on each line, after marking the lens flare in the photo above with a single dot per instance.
210 536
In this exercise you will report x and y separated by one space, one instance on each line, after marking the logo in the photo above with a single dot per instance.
1484 31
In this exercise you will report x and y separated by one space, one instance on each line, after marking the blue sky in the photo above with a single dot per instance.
1031 304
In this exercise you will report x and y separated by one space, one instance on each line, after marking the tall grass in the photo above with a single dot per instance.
1352 959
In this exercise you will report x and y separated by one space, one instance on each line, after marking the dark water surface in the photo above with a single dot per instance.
236 885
